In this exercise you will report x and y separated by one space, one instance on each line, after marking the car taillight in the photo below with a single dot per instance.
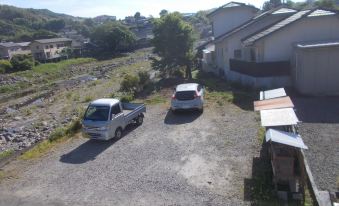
173 96
197 95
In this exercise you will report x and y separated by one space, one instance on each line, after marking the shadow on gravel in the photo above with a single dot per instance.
259 189
181 117
89 150
317 109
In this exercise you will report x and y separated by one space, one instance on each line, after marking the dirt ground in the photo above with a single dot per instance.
183 159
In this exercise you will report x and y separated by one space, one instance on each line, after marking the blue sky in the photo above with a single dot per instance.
121 8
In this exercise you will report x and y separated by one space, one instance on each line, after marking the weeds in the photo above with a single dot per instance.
88 99
57 136
261 135
156 99
6 154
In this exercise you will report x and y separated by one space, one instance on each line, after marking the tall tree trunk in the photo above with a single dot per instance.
188 71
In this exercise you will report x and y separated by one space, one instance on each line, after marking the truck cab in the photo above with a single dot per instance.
106 118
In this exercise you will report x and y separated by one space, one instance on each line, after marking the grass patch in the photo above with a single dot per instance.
219 97
156 99
57 136
6 154
261 134
88 99
51 71
13 87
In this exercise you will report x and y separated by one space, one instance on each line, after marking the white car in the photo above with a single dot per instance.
188 96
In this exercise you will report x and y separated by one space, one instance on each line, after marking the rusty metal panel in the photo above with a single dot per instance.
277 103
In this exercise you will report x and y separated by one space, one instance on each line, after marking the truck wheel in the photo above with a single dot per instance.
118 133
140 120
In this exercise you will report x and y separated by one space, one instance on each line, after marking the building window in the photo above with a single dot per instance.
237 54
46 47
50 46
37 47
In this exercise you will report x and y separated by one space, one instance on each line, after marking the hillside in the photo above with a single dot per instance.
17 24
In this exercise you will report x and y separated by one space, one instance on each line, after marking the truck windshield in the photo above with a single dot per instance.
97 113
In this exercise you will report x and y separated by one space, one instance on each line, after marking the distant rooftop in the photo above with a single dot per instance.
44 41
250 40
12 44
232 4
293 18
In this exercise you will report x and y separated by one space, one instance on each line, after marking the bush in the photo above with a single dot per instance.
130 84
5 66
144 78
127 98
22 62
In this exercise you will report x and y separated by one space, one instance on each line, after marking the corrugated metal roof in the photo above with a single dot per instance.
44 41
253 38
321 12
284 11
274 93
23 43
285 138
277 103
9 44
254 20
278 117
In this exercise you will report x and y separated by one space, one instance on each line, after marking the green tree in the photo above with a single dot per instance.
137 15
113 37
326 3
271 4
173 42
55 25
22 62
5 66
163 12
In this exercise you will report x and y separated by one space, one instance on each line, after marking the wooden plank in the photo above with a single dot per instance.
277 103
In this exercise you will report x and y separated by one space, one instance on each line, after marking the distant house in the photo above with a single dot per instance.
230 16
49 49
262 51
272 50
9 49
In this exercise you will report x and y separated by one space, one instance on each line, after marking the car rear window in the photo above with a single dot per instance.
185 95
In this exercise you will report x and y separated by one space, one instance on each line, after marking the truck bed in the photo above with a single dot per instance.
132 110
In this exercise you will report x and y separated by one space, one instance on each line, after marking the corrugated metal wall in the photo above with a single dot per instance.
317 71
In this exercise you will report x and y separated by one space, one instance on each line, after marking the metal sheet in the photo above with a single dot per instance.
278 117
270 94
285 138
277 103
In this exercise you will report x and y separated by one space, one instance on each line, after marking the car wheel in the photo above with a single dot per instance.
140 120
201 110
118 133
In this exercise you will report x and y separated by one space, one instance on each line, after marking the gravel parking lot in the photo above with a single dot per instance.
319 130
183 159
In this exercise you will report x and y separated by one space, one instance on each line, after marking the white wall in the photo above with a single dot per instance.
233 42
229 18
279 46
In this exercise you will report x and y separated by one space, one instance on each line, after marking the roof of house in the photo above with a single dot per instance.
9 44
276 11
23 43
53 40
282 24
318 44
231 4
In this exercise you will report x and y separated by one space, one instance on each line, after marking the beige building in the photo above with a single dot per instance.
49 49
9 49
